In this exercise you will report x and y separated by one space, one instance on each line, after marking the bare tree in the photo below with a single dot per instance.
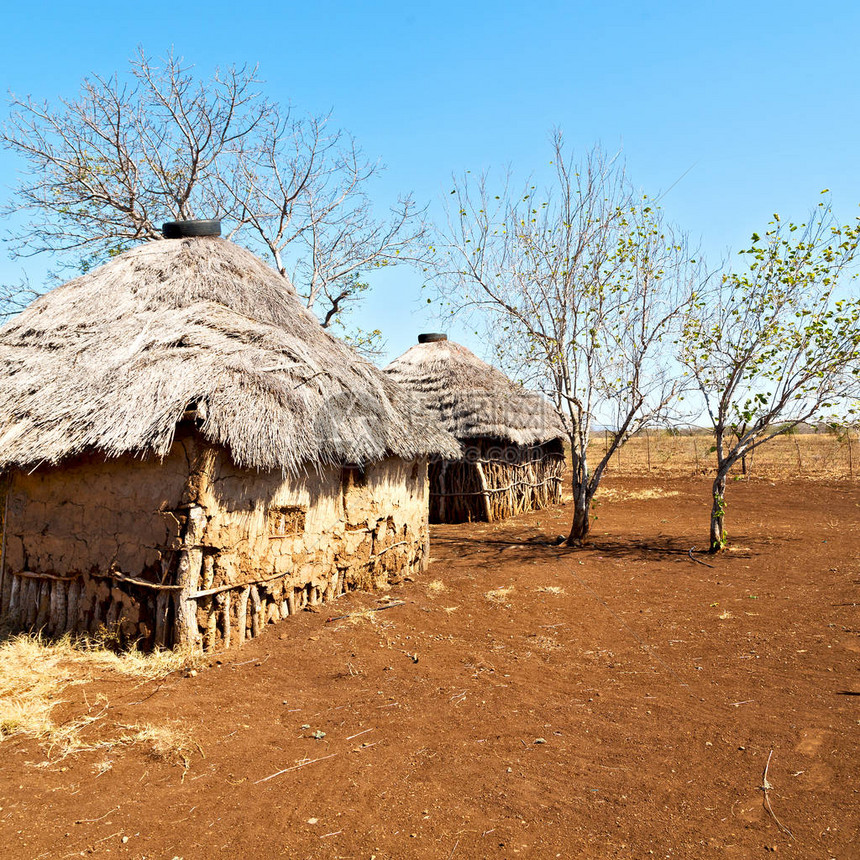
583 285
107 168
775 344
15 297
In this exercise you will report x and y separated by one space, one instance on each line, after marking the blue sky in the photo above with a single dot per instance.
755 105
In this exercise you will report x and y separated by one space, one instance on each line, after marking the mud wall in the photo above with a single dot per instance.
194 550
73 535
280 544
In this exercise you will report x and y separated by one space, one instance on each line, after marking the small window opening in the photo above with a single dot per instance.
286 522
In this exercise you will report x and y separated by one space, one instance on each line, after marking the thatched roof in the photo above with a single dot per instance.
112 360
471 398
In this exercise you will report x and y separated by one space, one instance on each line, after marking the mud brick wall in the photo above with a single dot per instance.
309 538
195 551
73 533
93 515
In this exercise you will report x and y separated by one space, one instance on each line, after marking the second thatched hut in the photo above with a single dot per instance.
513 457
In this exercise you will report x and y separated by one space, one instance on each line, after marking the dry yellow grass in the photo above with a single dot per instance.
363 615
499 595
35 674
614 494
551 589
172 744
436 586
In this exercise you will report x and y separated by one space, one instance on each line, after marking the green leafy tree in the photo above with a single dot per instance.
775 343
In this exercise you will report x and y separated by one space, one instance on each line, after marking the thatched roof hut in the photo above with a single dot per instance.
513 455
189 453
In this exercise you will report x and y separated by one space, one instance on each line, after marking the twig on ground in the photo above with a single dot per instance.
766 787
91 820
360 733
374 609
105 838
294 767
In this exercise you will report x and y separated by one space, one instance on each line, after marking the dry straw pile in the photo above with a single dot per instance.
36 676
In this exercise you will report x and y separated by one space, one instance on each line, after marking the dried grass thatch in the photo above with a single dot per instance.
513 457
114 359
473 399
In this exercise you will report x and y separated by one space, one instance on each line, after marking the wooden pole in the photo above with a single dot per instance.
44 604
187 572
72 606
96 617
21 602
13 608
210 606
5 587
223 600
85 604
162 609
190 562
242 615
58 611
479 469
30 603
255 607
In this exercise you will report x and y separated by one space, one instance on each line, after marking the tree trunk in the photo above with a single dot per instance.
581 524
718 512
581 498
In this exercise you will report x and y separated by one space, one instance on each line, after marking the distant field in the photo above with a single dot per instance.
813 455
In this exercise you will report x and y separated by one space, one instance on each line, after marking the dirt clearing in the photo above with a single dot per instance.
526 700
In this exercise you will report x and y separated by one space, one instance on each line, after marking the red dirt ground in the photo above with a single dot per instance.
659 686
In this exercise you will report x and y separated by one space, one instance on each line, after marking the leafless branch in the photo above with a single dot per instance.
107 168
583 284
